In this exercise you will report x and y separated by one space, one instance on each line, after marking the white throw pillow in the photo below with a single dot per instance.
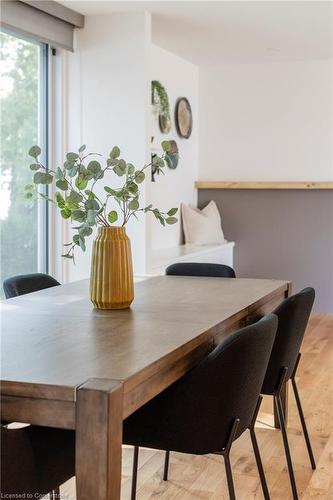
202 227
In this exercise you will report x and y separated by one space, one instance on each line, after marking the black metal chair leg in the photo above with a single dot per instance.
56 493
259 464
305 431
166 465
226 453
279 411
135 472
256 451
229 477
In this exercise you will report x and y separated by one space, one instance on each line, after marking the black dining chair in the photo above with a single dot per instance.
35 461
211 405
27 283
293 315
200 269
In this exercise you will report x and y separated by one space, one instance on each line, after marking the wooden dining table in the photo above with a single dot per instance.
68 365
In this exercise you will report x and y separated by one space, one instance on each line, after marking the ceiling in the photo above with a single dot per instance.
215 32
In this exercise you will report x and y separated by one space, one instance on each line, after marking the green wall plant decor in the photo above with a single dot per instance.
160 100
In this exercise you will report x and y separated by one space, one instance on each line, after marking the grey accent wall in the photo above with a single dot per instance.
283 234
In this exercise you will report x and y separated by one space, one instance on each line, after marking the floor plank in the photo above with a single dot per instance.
202 478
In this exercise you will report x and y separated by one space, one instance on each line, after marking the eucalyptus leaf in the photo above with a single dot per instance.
134 204
65 213
111 191
172 211
88 175
123 195
60 200
72 157
130 169
158 161
28 195
82 148
72 171
38 177
132 187
111 162
82 244
85 230
78 239
91 217
171 220
112 216
115 153
62 184
94 167
28 187
99 175
117 170
81 182
139 176
90 194
79 215
69 164
47 178
120 168
34 151
35 166
59 174
91 205
75 197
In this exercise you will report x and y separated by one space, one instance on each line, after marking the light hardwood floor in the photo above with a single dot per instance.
202 477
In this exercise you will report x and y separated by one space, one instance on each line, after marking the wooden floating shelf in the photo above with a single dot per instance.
262 185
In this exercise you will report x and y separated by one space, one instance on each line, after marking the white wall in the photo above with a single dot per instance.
108 97
109 102
266 121
180 78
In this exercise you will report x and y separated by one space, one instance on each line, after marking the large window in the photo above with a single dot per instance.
23 95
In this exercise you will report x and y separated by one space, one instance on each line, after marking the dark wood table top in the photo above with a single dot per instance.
54 340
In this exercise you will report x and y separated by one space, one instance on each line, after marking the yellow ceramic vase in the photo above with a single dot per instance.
111 280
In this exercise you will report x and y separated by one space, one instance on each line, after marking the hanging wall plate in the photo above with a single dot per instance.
183 117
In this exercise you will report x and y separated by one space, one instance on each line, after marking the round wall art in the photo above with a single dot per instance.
183 117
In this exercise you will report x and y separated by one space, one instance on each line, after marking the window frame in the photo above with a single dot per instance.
43 221
43 217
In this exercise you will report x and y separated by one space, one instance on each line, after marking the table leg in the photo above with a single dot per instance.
99 409
284 401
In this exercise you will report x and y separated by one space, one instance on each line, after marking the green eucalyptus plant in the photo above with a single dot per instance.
76 197
159 98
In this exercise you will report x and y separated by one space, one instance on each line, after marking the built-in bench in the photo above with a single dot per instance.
218 254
